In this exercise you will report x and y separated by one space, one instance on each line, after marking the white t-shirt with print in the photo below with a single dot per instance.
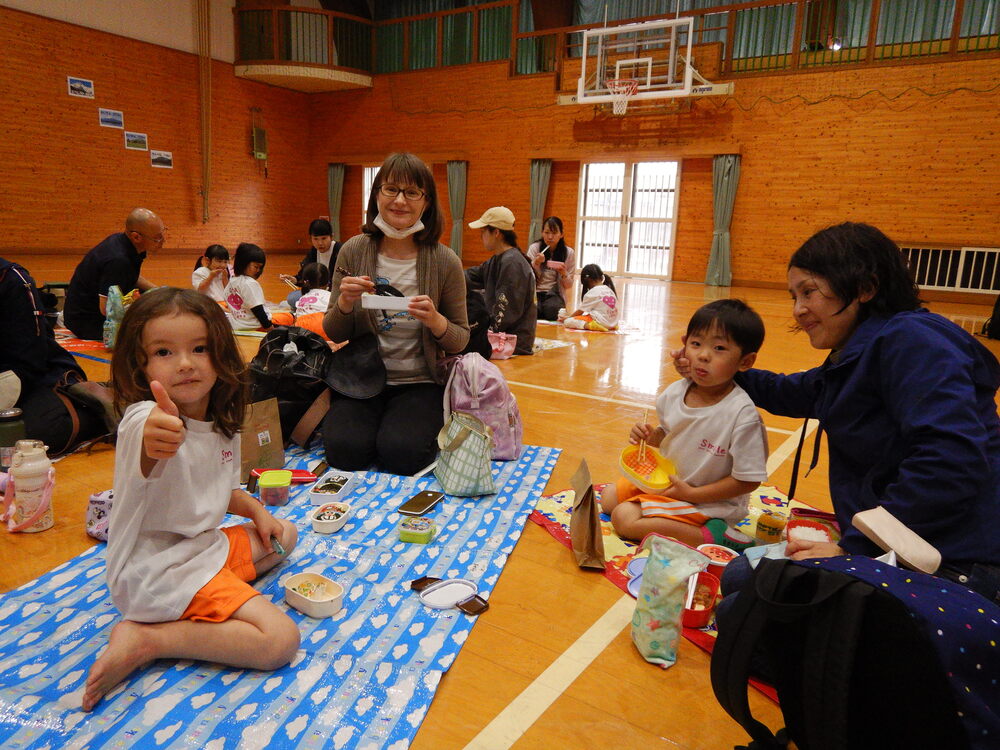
400 335
164 543
313 301
601 304
709 443
216 290
243 293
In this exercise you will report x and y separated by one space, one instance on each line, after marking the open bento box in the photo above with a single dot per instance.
333 485
646 468
314 594
330 517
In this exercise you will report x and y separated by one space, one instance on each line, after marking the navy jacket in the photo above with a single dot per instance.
911 423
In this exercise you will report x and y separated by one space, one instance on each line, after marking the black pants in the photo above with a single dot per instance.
395 430
47 418
549 304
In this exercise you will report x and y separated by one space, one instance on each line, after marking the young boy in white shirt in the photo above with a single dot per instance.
712 432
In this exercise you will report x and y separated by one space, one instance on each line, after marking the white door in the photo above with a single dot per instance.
628 214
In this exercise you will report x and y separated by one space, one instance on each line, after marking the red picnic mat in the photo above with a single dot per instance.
552 513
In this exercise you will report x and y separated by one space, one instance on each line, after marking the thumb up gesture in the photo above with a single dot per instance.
164 431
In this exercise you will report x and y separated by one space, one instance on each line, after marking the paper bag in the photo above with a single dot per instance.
260 438
585 522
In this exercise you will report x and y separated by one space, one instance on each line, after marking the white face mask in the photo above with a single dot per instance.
397 234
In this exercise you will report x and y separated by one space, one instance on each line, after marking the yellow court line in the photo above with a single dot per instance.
508 726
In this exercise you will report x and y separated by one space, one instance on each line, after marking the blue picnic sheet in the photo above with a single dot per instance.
363 678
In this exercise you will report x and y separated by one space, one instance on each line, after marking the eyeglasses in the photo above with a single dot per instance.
411 194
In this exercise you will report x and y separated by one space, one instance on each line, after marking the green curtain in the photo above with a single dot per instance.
457 171
334 196
725 179
541 171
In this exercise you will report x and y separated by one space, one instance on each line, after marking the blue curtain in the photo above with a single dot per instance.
457 181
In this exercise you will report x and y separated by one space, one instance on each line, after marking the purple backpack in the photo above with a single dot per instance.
476 386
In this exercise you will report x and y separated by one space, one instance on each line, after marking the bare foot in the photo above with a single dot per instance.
128 649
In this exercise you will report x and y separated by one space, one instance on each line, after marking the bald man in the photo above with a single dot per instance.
116 261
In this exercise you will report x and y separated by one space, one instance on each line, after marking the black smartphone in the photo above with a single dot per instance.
420 503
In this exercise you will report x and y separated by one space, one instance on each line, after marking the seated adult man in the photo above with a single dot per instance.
59 419
115 261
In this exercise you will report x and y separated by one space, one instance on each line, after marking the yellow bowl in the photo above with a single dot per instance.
661 468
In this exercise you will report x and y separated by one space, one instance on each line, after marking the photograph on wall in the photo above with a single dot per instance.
162 159
80 87
136 141
111 118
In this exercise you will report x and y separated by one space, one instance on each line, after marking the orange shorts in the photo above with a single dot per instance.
660 506
229 589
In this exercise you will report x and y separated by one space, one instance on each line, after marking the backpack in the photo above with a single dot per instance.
290 365
991 328
863 655
476 386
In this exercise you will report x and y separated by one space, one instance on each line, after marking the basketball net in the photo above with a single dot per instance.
622 89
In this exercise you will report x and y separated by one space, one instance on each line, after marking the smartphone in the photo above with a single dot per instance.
420 503
320 469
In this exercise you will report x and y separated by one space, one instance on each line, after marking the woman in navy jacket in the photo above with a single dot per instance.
906 399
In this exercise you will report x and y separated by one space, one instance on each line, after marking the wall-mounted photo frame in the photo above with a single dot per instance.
136 141
110 118
161 159
80 87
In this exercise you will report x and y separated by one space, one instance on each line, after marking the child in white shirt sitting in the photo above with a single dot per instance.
243 293
599 306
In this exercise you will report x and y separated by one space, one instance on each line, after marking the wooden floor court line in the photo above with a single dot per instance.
508 726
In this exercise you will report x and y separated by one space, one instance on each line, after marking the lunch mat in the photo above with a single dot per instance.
363 678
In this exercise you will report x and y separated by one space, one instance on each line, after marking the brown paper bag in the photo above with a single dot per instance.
260 438
585 522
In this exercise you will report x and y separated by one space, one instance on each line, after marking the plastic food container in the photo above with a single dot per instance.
273 485
419 530
719 557
313 594
698 611
330 517
333 485
649 471
769 526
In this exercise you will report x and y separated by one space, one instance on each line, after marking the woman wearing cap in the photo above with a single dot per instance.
506 279
397 254
554 263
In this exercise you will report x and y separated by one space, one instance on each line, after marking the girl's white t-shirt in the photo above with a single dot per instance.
164 543
313 301
601 304
243 293
216 290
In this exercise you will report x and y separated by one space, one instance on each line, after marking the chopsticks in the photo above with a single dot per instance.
642 443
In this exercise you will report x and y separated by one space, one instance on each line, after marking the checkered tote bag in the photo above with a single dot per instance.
463 465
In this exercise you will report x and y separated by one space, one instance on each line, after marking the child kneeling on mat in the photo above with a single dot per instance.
712 432
181 583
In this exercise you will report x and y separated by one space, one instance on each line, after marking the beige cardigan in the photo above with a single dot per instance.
439 276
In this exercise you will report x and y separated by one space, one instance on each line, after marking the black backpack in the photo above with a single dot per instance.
991 328
295 378
854 666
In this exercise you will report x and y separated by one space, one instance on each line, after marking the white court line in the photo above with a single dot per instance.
787 448
508 726
606 400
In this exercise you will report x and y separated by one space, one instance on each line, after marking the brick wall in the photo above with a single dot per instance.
909 148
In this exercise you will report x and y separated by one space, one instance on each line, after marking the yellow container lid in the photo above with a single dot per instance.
275 478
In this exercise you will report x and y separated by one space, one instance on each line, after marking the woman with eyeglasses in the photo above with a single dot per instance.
396 255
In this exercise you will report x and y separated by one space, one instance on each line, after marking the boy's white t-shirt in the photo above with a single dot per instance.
216 290
313 301
243 293
164 543
601 304
712 442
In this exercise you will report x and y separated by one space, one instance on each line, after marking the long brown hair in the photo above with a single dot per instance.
228 398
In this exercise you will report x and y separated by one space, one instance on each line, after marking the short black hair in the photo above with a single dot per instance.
247 253
734 319
855 258
320 228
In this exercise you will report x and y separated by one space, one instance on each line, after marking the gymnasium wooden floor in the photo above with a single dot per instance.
551 664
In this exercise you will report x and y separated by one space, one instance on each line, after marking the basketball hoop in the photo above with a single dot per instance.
622 89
